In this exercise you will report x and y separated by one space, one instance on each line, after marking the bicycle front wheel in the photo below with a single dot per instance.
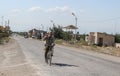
50 61
49 58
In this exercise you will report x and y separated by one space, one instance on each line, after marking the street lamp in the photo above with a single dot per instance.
75 22
75 18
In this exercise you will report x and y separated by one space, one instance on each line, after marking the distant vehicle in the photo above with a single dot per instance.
26 35
33 37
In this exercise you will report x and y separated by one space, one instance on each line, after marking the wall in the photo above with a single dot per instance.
108 40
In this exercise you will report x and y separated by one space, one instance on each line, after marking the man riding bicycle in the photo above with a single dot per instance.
49 37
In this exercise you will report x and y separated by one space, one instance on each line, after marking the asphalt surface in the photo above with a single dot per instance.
66 61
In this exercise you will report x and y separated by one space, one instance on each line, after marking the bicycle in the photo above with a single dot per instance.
49 55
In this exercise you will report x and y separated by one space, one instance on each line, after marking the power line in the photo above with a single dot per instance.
111 19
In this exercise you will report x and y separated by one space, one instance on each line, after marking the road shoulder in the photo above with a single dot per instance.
13 61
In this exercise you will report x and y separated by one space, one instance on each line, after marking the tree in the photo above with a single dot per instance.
58 32
67 36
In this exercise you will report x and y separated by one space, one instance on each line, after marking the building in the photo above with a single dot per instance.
100 39
34 33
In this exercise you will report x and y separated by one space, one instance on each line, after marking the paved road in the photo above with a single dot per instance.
66 61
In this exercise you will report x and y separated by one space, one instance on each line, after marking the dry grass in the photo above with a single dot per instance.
110 50
83 45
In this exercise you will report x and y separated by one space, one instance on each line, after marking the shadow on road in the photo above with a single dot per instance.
63 65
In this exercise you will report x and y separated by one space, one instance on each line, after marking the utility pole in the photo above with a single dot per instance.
42 27
8 22
2 20
5 23
53 25
53 28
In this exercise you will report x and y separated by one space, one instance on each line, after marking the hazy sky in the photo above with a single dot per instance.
93 15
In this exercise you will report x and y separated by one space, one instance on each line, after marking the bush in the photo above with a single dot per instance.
67 36
117 38
59 41
1 41
4 35
4 40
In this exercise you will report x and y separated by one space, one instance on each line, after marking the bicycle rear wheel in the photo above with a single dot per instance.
49 58
50 61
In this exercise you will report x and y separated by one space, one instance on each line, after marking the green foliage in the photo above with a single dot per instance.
117 38
1 41
21 33
4 34
4 40
60 34
82 36
67 36
59 41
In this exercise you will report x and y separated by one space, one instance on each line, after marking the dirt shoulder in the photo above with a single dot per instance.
13 61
